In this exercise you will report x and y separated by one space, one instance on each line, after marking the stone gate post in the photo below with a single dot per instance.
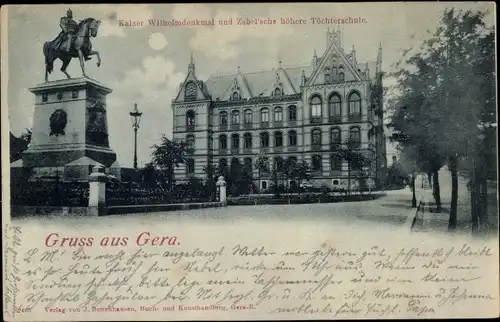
221 185
97 190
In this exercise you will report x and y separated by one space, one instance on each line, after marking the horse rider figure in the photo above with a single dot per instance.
68 26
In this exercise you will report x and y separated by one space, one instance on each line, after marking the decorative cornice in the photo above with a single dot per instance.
72 83
334 85
259 100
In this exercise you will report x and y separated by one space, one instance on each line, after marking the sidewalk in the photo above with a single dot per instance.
426 218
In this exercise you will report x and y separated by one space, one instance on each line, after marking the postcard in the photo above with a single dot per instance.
253 161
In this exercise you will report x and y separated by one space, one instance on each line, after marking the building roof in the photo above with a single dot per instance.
17 164
258 83
84 161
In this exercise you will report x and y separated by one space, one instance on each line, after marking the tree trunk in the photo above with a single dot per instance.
429 177
260 186
436 190
349 178
483 198
414 196
473 204
452 223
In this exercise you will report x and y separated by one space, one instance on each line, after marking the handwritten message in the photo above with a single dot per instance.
12 268
158 274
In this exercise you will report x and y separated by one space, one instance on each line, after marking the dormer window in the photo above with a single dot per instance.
236 96
327 75
277 91
341 74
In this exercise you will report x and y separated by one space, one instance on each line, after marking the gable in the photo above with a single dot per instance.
335 57
193 88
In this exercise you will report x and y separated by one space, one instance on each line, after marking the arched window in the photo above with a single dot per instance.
277 92
223 118
235 162
248 117
355 136
327 75
247 140
264 140
235 117
236 96
335 137
292 138
335 162
278 114
222 163
248 163
334 106
264 115
279 164
222 141
316 137
292 113
190 139
190 92
235 141
190 118
341 74
189 166
316 163
235 166
354 104
316 107
278 139
334 74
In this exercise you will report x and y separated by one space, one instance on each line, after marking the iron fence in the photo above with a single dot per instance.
140 194
51 194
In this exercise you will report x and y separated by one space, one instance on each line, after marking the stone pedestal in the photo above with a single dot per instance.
97 190
221 186
70 130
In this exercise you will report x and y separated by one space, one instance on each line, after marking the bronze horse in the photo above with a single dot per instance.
80 48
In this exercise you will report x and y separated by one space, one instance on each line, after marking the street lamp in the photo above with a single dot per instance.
135 115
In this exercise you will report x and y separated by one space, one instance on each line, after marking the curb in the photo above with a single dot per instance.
416 216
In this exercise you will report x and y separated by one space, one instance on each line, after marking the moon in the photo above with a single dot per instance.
157 41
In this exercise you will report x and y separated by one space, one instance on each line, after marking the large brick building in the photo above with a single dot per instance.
299 112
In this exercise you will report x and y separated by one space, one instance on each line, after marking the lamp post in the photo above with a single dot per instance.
135 115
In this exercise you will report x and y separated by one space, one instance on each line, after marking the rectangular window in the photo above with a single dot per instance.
248 117
278 140
264 141
264 117
316 111
236 142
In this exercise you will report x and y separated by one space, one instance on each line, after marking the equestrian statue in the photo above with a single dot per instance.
72 42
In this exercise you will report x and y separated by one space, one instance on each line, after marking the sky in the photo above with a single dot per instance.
147 64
